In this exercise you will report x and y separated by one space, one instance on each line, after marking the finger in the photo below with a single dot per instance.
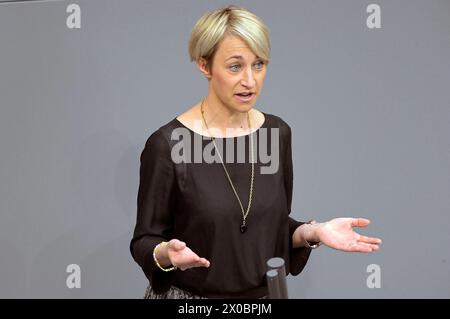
370 240
373 246
358 247
362 247
191 263
176 244
205 262
199 262
360 222
184 264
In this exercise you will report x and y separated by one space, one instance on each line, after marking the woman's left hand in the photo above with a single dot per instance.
338 233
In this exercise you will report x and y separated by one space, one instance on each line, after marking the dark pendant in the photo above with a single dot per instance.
243 228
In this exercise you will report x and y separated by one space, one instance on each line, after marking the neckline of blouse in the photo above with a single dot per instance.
228 137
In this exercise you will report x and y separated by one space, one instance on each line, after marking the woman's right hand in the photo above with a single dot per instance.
182 256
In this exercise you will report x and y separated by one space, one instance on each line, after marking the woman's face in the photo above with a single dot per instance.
237 75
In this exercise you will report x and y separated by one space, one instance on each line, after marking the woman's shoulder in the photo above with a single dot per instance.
159 139
275 121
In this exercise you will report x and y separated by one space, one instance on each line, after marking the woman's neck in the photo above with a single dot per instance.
220 117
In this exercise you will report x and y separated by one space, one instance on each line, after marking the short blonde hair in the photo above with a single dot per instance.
211 28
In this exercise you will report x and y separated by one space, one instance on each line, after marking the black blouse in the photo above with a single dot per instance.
195 203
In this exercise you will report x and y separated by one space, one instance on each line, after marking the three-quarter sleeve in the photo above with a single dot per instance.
298 257
155 201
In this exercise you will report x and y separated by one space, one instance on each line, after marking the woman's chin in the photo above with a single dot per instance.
243 108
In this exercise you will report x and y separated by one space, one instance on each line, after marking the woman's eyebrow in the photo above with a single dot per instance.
240 57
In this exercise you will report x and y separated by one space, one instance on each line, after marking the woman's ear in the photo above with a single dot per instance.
204 68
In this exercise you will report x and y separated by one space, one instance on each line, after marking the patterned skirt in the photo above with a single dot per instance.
172 293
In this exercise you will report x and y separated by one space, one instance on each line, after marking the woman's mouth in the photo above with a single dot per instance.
244 97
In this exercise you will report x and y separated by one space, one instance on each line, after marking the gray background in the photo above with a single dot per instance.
369 110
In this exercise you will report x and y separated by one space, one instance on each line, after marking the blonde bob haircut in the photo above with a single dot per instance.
212 28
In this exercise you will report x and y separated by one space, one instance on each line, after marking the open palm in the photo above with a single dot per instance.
183 257
338 233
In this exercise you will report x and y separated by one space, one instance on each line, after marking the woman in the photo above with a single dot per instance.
206 229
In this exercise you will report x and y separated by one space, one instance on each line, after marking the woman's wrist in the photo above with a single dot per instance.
306 233
312 234
161 255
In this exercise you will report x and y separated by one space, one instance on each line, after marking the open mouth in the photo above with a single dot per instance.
245 97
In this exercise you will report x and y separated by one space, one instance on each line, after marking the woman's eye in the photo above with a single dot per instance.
235 67
259 65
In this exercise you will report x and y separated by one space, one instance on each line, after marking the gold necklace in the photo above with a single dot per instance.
243 227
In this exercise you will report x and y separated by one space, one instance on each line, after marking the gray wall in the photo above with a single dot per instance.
369 110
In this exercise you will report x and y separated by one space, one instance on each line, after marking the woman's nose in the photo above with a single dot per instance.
248 79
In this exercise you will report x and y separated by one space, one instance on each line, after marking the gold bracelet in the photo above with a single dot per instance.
156 260
307 244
